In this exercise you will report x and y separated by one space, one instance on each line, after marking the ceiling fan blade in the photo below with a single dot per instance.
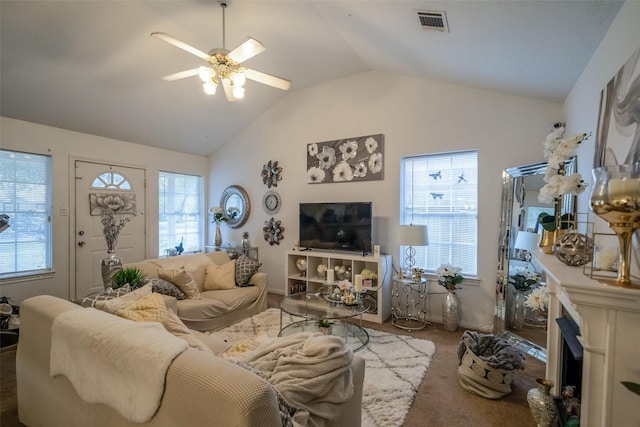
228 91
248 49
182 45
267 79
182 74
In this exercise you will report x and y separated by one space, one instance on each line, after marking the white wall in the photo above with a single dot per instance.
582 105
417 117
64 146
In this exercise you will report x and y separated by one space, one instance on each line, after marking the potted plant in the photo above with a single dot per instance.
132 276
324 326
549 229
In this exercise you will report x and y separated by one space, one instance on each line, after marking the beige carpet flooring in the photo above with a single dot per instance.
440 401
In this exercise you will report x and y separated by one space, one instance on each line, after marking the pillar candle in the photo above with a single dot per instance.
330 276
358 283
624 188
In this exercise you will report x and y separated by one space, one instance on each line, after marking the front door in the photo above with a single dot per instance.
95 183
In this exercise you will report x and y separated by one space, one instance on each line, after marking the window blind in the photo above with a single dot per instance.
180 212
441 192
25 195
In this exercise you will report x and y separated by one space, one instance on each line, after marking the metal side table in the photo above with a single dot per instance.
409 300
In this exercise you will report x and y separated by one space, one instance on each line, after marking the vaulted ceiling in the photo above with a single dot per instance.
92 66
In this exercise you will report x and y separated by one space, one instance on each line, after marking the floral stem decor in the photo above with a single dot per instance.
558 150
218 215
113 220
449 276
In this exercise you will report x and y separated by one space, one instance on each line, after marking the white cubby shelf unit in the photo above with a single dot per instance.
379 294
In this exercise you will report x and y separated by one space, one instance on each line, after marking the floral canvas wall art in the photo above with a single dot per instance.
346 160
119 203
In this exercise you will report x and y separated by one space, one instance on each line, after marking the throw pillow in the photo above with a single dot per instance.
111 306
245 268
150 308
91 299
183 280
220 276
166 288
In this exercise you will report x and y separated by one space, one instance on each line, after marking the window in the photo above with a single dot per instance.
25 196
441 192
181 212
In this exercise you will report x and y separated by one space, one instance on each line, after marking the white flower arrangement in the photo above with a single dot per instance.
557 150
538 299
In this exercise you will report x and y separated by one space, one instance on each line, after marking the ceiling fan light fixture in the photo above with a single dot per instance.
209 87
238 79
238 92
206 73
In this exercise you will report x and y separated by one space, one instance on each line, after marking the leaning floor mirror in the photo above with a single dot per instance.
520 325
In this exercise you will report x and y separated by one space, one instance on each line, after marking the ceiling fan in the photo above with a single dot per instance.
224 66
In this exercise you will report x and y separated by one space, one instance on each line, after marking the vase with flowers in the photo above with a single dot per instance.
449 277
558 151
218 215
116 213
538 300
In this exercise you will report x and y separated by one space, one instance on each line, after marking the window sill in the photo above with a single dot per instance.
27 277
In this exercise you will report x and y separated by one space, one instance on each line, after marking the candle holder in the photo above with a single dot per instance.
616 199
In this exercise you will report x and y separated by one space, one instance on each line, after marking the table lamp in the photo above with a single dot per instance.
526 241
412 235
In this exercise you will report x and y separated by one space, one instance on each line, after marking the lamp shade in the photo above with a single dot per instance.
413 235
526 240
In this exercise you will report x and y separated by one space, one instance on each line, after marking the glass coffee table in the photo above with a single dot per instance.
312 307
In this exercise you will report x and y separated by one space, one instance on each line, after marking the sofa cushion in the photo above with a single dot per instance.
183 280
113 305
220 276
174 325
165 288
245 268
216 303
194 264
150 308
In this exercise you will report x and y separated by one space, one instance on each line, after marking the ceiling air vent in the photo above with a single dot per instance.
432 20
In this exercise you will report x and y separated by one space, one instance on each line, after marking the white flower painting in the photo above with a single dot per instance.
346 160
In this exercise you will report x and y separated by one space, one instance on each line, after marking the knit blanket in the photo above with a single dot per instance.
114 361
495 352
310 371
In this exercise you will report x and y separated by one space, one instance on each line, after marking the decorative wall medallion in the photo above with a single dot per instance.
271 202
346 160
271 174
273 231
121 203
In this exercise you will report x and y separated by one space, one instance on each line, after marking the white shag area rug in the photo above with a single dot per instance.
395 366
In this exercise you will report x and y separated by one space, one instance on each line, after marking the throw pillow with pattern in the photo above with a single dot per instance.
245 268
166 288
183 280
91 299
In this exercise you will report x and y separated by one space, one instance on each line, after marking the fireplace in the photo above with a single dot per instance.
570 370
605 321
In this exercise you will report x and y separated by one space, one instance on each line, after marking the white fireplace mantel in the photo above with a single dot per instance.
609 321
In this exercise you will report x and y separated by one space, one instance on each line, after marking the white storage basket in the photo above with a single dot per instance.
477 377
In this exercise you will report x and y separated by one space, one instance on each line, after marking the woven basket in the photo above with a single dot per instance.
477 377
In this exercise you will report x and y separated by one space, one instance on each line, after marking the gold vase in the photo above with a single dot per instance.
546 241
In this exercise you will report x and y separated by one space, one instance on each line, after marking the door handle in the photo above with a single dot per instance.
81 243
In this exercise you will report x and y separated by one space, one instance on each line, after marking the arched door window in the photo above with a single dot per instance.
111 181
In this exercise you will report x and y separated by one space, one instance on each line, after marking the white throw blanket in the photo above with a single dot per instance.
114 361
311 371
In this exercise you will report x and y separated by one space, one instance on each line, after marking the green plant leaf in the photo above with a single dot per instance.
132 276
633 387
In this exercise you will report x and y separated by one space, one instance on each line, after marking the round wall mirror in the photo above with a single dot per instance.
234 197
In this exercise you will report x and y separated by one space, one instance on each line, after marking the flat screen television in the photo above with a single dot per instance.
340 226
